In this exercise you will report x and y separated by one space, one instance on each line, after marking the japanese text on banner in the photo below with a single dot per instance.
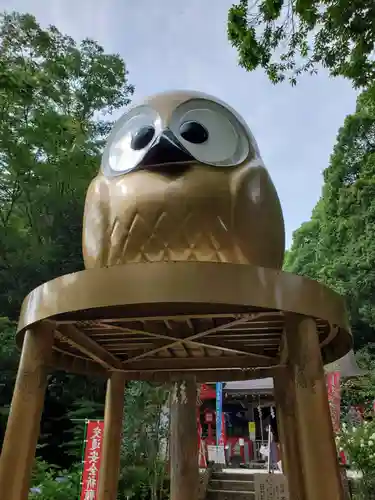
92 459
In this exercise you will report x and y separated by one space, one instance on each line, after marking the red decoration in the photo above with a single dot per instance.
208 417
207 392
223 439
92 459
234 441
334 398
342 457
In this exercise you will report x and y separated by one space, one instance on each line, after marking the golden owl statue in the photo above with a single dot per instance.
182 179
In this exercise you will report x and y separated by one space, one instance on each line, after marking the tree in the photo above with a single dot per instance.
9 357
360 391
80 411
337 246
55 98
144 446
289 37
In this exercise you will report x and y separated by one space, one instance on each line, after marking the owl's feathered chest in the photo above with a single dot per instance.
204 215
193 231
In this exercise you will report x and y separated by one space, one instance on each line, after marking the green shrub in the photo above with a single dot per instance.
358 443
51 483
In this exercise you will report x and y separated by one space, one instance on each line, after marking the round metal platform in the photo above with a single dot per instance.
162 321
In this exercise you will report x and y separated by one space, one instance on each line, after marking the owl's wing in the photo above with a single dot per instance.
258 219
95 240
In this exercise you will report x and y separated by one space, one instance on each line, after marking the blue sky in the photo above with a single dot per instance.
175 44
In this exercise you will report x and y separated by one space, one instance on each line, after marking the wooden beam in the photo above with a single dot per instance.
113 425
21 436
181 330
88 346
158 342
285 400
177 317
181 364
71 364
125 347
229 347
321 477
157 335
135 331
206 376
122 342
240 337
194 337
254 327
283 349
79 366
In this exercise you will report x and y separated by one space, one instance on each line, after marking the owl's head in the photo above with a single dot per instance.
176 129
182 178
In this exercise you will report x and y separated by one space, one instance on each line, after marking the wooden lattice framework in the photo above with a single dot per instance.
167 333
197 322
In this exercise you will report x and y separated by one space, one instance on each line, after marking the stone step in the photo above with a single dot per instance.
229 485
232 476
229 495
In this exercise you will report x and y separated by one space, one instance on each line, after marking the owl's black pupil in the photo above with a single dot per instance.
142 137
193 132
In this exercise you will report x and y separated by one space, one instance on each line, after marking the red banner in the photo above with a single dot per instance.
207 392
334 398
92 459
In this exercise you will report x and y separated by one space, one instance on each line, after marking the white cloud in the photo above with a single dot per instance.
175 44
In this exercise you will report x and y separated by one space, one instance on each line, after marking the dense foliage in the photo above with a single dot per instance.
337 245
145 441
289 37
360 391
49 483
9 356
56 97
358 443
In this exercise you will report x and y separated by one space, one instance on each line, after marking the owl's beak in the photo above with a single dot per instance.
166 151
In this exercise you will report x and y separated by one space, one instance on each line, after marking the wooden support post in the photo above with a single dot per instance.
113 418
184 469
284 392
23 426
318 455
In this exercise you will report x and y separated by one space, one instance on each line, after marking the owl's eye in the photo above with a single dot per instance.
142 138
210 133
193 132
130 140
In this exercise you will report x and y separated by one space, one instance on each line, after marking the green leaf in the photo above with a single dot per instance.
342 33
